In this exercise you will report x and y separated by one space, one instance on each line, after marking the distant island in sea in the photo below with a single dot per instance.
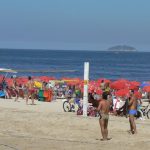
122 48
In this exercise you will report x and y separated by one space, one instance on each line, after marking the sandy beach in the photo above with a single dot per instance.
45 126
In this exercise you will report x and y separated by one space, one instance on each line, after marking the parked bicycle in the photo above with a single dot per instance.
71 104
144 111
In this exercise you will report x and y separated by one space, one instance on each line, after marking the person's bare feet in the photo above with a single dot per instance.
131 132
16 100
33 104
106 139
134 132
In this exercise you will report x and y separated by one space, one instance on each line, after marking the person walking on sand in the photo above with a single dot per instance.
132 112
30 90
103 109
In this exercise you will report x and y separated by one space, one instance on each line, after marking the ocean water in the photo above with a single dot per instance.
64 63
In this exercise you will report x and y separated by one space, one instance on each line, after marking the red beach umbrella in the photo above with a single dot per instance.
105 80
123 80
132 87
44 78
120 84
9 82
135 83
122 92
117 85
146 89
99 91
137 94
22 80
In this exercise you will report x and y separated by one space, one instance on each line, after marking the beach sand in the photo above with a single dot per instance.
45 126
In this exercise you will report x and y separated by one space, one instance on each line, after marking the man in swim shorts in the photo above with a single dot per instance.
132 112
103 109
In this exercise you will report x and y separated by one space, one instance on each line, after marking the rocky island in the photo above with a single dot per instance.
122 48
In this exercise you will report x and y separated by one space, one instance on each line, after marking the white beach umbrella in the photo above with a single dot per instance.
7 70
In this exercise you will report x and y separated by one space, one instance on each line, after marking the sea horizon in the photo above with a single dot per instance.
92 50
66 63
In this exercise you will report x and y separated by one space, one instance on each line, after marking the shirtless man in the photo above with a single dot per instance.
103 108
30 90
132 112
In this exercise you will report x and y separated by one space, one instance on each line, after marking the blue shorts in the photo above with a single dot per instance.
132 112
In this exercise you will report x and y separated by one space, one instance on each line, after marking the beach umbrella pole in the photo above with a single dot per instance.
85 92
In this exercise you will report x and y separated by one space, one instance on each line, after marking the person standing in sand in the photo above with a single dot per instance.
30 90
132 112
103 109
15 87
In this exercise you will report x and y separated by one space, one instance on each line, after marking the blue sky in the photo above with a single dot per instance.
74 24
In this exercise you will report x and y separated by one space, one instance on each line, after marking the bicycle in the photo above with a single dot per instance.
71 104
144 111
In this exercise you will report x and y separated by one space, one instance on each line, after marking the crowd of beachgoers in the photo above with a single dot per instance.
31 87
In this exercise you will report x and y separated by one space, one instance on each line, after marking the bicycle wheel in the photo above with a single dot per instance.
139 114
66 106
148 114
